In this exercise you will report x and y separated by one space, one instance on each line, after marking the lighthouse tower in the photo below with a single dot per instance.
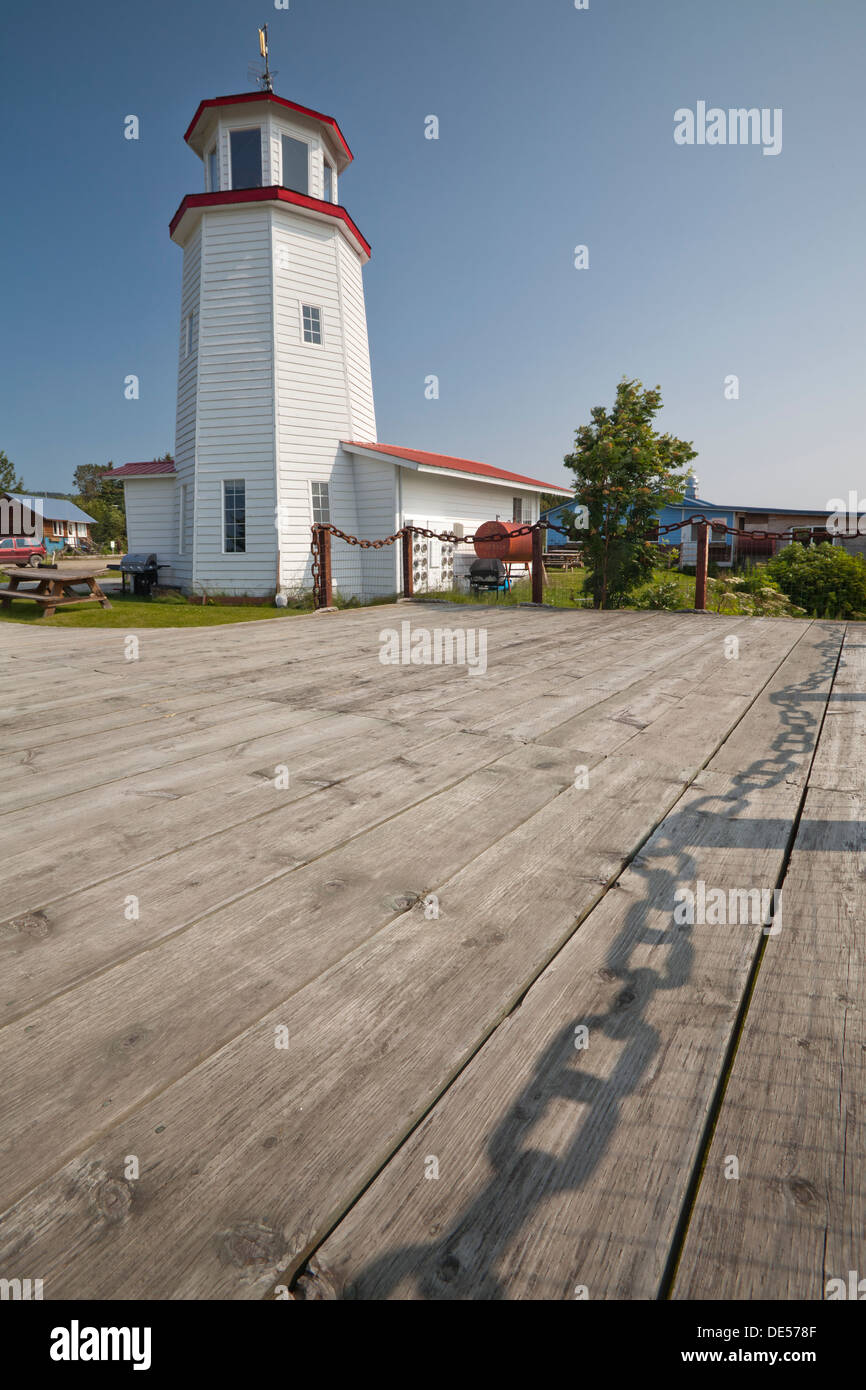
274 366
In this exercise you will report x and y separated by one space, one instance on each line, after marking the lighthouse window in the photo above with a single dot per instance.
327 186
246 155
296 164
312 324
234 516
213 176
321 504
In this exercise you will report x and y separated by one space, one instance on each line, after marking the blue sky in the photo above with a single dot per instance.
556 129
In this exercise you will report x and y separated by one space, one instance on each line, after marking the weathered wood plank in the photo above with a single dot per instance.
793 1220
561 1167
373 1041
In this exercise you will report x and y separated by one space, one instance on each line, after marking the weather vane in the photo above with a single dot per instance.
263 77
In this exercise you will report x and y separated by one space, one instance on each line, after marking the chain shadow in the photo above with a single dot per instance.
462 1263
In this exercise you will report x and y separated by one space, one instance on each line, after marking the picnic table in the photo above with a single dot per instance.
56 586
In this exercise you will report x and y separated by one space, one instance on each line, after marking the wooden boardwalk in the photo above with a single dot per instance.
360 980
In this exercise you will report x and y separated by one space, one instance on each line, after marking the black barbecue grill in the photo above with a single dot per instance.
487 575
142 569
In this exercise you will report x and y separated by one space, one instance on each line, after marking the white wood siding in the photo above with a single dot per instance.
439 502
151 521
359 376
314 409
185 431
235 424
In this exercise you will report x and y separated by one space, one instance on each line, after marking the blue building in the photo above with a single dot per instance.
724 549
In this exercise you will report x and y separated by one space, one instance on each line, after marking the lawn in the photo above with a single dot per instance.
566 590
165 610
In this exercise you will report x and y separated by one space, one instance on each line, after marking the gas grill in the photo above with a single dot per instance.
142 569
487 575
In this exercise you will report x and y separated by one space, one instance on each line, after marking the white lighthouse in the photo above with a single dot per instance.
274 363
276 429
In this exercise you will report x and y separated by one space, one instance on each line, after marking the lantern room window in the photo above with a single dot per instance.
296 164
328 184
213 173
246 155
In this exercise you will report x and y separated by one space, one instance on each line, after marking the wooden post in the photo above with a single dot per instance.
408 578
537 565
325 595
701 568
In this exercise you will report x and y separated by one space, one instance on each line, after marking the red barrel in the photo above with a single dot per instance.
508 547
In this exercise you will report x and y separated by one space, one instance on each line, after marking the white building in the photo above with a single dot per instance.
274 381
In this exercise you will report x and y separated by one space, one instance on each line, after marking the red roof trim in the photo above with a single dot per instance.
458 465
268 195
156 468
279 101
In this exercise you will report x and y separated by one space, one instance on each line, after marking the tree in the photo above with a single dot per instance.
824 579
102 498
625 471
110 522
9 480
91 482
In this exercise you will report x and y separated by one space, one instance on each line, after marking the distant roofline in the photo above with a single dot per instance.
46 512
156 468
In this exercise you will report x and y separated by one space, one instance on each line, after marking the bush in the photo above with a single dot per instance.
822 579
666 594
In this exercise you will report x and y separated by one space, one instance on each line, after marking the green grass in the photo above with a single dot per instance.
566 590
167 610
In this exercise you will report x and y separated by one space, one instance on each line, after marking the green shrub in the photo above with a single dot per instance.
822 579
666 594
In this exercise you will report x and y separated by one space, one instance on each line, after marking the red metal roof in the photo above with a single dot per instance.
458 465
156 467
273 194
279 101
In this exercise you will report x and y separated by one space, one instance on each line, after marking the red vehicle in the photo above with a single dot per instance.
21 550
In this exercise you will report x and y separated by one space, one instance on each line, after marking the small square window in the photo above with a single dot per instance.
312 324
321 504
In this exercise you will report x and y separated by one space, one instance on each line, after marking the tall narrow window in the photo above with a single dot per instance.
234 516
213 172
312 318
328 193
187 335
246 153
296 164
181 516
321 504
517 509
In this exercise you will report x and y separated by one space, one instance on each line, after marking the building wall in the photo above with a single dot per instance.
185 429
438 503
323 392
235 413
151 521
